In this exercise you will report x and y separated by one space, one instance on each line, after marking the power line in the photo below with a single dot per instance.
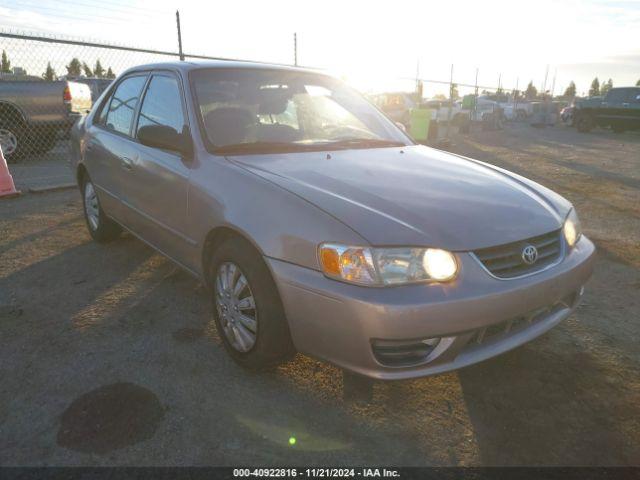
52 12
126 9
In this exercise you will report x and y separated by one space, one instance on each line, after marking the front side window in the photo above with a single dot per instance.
162 104
262 110
122 106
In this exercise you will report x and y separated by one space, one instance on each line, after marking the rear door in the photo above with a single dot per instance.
110 147
159 199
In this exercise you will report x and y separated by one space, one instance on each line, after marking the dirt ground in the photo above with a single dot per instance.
109 356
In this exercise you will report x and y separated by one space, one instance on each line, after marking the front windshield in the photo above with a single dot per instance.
267 110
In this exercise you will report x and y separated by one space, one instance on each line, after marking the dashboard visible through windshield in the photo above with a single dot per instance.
247 110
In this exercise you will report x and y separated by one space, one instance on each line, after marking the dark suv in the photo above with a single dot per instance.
619 109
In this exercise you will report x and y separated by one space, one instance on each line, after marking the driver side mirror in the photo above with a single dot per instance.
401 126
166 138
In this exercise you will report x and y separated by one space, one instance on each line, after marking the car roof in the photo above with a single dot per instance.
189 65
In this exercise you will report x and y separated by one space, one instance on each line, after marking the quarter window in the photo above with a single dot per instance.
123 104
161 104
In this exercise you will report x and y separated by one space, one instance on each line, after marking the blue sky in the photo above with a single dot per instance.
373 43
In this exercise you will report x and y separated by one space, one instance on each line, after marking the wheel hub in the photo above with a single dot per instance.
8 141
236 307
91 206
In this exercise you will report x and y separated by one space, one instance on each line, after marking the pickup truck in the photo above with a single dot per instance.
33 113
619 109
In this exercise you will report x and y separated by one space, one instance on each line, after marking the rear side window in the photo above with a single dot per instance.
162 104
617 95
123 103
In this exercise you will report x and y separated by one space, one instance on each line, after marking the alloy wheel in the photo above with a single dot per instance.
236 307
91 206
8 141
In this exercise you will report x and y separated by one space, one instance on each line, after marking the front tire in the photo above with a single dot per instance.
101 228
246 307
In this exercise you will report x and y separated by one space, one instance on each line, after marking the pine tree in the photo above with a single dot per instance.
531 92
110 74
50 73
74 68
5 66
570 92
606 86
594 91
87 70
98 71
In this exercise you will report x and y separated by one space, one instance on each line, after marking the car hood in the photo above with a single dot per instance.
415 196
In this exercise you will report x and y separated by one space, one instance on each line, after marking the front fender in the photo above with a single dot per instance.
279 223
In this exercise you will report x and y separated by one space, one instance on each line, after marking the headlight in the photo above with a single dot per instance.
386 266
571 229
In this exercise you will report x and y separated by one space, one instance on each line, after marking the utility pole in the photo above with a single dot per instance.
553 83
515 99
179 36
450 103
295 49
475 99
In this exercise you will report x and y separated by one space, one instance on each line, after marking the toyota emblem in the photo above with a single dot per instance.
529 254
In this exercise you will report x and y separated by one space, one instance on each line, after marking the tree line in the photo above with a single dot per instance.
74 69
77 69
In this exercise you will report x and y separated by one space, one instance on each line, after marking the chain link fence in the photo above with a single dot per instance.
46 83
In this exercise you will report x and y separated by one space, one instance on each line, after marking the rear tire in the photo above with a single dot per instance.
256 338
101 228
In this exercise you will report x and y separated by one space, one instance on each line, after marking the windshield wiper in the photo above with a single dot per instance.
289 147
364 142
261 147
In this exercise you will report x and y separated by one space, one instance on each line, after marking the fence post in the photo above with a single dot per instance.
295 49
179 36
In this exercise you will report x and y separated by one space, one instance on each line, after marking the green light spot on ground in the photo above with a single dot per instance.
292 440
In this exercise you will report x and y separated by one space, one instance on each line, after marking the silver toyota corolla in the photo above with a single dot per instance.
319 226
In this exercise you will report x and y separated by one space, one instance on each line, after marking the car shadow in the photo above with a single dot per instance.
538 403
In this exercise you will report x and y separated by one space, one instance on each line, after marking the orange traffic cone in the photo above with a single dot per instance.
7 188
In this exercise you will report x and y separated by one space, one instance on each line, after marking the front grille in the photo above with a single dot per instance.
503 329
505 261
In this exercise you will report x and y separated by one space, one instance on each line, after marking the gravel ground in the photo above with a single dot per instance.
109 356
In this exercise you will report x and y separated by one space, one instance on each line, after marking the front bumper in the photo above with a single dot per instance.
340 323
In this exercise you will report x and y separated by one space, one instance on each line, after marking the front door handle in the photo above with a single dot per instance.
127 163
